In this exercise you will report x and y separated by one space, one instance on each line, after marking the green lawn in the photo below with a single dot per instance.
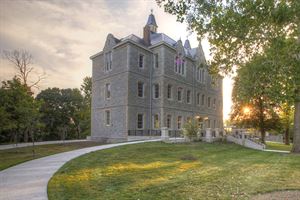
278 146
15 156
175 171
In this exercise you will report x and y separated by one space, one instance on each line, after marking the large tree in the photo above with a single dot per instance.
239 30
23 63
253 91
18 112
59 112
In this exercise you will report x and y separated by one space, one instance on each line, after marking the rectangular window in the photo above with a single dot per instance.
107 90
156 91
208 123
107 118
156 121
179 94
169 121
214 103
156 60
169 91
208 102
214 124
141 61
202 99
140 89
183 67
188 96
198 98
179 122
140 121
108 61
202 76
176 64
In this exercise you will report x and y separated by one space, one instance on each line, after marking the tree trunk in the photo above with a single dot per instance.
262 121
287 136
296 138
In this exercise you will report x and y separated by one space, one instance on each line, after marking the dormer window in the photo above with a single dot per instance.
108 61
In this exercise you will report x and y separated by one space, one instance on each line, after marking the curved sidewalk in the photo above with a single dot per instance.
28 181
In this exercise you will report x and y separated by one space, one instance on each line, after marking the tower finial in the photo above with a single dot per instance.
151 10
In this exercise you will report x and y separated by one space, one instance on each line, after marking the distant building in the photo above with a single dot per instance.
143 84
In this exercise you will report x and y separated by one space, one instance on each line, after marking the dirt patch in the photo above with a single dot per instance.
279 195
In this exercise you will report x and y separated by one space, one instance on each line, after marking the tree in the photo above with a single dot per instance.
286 119
22 61
84 115
59 112
19 111
252 96
239 30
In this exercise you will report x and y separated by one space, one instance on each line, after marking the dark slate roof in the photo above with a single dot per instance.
161 37
151 20
187 44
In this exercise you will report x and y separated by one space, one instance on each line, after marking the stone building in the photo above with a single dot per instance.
143 84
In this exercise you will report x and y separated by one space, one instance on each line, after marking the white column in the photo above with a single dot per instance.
208 136
164 133
217 131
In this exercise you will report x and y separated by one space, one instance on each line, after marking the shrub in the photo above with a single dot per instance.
190 129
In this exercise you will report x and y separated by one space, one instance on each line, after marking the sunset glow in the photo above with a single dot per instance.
67 34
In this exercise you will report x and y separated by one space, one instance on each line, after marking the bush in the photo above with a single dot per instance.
191 129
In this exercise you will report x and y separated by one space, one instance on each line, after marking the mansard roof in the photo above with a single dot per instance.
156 38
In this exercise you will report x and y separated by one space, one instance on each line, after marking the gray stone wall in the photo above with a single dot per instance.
125 104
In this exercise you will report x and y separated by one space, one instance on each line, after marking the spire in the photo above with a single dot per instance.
150 27
187 44
151 19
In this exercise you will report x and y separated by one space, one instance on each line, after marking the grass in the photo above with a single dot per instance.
175 171
278 146
15 156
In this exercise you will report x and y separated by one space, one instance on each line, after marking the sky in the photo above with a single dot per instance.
61 35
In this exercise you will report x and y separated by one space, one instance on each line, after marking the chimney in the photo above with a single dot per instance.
146 35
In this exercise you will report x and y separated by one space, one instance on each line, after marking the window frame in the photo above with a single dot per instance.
169 91
143 89
169 121
107 91
189 96
143 61
107 118
179 122
155 121
179 89
137 121
154 92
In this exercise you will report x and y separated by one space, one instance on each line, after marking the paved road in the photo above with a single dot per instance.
11 146
28 181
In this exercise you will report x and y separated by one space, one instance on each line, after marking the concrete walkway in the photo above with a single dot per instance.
11 146
28 181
